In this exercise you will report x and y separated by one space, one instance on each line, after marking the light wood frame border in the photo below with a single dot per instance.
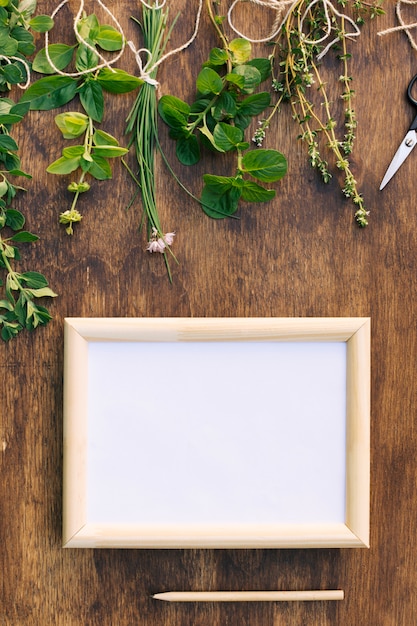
79 332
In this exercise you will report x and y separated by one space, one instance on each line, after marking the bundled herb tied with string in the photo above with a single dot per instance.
19 302
303 33
142 124
227 100
91 77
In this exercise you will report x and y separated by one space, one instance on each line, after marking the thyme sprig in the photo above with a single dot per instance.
297 58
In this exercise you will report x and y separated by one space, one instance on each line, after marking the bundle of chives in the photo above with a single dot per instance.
143 128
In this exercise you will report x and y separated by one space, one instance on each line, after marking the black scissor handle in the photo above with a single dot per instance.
410 89
412 100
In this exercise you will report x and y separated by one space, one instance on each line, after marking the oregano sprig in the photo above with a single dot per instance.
90 157
19 308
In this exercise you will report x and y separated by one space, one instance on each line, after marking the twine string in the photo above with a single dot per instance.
147 69
9 60
281 8
104 62
403 26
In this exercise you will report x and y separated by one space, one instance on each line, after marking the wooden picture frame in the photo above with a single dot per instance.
111 472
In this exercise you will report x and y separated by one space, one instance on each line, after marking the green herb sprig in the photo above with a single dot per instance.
16 39
92 157
142 127
223 109
19 309
300 82
89 83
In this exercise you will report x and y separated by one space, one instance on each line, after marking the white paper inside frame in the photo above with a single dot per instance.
216 433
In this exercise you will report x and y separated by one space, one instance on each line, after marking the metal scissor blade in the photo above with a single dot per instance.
400 156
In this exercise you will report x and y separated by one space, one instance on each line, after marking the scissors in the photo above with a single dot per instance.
407 144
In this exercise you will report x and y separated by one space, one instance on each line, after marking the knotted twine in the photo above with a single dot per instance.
146 68
403 26
284 8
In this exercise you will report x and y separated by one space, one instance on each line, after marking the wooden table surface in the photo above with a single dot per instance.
299 255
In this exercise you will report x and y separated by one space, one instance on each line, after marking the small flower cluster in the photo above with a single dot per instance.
70 217
158 243
259 134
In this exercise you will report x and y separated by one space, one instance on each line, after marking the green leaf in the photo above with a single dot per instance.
118 81
227 137
252 192
100 138
205 131
50 92
236 79
219 200
108 151
92 99
60 55
43 292
251 77
7 143
13 73
225 107
37 316
41 23
188 150
72 152
63 166
217 56
174 118
219 184
6 304
10 330
24 236
100 168
241 50
263 66
10 119
88 27
72 124
19 109
8 45
85 58
173 111
209 81
34 280
14 219
265 165
15 172
26 7
255 104
108 38
24 38
11 160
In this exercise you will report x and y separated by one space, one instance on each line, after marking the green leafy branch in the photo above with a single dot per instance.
92 157
19 309
297 55
89 84
223 109
16 39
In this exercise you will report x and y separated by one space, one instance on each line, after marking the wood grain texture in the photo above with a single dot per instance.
300 255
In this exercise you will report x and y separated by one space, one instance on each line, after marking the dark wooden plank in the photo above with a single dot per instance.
300 255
